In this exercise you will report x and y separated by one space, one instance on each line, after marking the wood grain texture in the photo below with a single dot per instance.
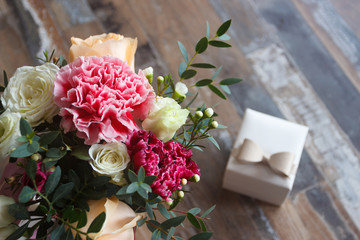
292 67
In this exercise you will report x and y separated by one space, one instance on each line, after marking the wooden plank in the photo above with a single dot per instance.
331 149
335 34
325 76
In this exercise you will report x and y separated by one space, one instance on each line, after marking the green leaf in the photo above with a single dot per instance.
2 89
6 80
207 29
31 169
224 37
21 151
33 147
25 127
133 187
202 65
201 236
216 91
53 181
26 194
19 232
188 74
202 45
194 211
203 82
207 212
146 187
183 51
173 222
22 139
57 232
192 100
219 44
74 178
99 181
213 141
82 220
62 191
97 224
182 68
150 179
186 135
141 175
216 73
132 176
149 211
156 235
192 219
68 235
81 152
203 227
171 233
19 211
47 138
142 192
230 81
226 89
223 28
55 153
163 211
141 222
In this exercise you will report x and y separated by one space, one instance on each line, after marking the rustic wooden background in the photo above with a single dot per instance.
300 60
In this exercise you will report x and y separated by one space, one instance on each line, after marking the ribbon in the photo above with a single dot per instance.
281 162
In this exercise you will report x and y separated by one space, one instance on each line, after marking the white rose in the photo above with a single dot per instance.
30 93
111 160
5 217
165 118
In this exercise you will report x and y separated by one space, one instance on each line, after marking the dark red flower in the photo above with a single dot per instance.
169 161
40 178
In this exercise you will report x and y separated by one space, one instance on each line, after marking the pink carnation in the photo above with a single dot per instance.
102 98
169 161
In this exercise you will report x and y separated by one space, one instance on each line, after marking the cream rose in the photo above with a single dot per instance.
30 93
105 44
5 217
119 222
165 118
111 160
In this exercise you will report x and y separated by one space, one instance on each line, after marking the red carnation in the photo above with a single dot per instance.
169 161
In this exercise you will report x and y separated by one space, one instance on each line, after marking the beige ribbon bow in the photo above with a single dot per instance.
281 163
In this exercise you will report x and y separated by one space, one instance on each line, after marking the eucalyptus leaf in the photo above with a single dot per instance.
201 236
219 44
26 194
33 147
202 224
207 212
97 223
21 151
57 232
48 138
226 89
31 168
223 28
216 73
171 233
141 174
146 187
133 187
230 81
188 74
194 211
203 82
142 192
62 191
25 127
55 153
202 65
132 176
182 68
53 181
156 235
141 222
19 211
173 222
224 37
183 51
213 141
207 29
149 211
163 211
216 91
150 179
192 219
201 45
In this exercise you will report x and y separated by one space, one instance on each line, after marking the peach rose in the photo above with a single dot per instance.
119 223
105 44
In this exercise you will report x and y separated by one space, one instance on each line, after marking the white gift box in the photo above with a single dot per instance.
272 135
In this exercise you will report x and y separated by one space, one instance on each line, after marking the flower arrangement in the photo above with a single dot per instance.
92 151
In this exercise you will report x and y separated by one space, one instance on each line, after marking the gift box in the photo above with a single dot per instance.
265 157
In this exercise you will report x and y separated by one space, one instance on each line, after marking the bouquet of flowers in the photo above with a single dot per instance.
90 150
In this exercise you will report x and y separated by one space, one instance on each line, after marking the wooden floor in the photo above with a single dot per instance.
300 60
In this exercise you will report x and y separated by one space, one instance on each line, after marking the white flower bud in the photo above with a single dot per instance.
36 157
214 124
196 178
183 181
180 90
169 202
149 73
181 194
160 80
199 114
209 112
